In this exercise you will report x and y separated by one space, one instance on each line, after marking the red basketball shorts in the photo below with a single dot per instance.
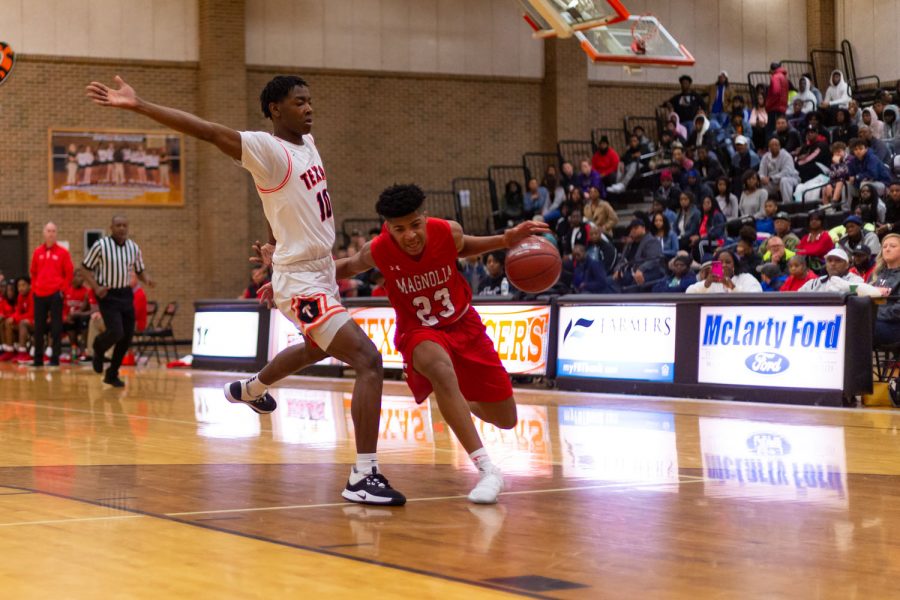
479 371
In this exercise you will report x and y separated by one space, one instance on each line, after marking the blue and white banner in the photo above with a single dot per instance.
617 342
762 460
773 346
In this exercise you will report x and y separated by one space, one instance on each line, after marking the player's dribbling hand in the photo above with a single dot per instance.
124 97
263 253
513 236
266 296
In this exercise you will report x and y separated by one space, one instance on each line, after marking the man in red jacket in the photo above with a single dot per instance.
51 275
777 96
606 162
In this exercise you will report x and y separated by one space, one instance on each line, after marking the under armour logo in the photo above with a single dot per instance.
394 267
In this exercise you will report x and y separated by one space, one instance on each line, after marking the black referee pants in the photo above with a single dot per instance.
44 305
117 310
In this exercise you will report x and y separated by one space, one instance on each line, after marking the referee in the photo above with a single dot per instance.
107 269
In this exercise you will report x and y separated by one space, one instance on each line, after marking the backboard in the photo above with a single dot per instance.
635 41
561 18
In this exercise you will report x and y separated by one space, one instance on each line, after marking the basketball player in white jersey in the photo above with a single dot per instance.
290 179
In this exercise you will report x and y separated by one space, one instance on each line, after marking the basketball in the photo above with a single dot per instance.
533 265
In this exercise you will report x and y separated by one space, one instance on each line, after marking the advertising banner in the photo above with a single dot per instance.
770 461
773 346
617 342
225 334
618 445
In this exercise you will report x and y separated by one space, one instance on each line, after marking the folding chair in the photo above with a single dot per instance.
161 334
140 339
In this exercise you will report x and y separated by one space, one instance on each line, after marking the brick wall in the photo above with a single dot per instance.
821 27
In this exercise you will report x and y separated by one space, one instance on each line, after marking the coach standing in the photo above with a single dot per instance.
51 276
108 266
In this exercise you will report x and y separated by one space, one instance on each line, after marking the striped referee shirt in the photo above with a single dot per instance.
112 263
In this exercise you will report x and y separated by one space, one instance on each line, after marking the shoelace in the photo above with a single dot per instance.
377 479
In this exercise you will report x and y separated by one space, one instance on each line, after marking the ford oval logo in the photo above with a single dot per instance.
768 444
767 363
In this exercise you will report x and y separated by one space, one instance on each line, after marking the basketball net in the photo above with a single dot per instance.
645 34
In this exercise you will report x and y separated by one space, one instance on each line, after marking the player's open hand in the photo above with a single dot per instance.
265 295
262 253
513 236
123 97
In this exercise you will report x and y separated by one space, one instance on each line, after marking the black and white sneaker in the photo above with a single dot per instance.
236 392
373 489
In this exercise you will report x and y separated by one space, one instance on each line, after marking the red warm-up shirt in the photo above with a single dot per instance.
74 299
819 247
605 164
24 308
793 284
51 270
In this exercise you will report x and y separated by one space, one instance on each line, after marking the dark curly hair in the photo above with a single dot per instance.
399 201
277 90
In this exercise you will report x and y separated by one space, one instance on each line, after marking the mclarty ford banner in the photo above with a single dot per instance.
772 461
773 346
520 334
617 342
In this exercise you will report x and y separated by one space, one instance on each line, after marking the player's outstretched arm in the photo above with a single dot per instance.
224 138
356 264
472 245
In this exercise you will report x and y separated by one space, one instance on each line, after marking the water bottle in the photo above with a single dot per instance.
504 287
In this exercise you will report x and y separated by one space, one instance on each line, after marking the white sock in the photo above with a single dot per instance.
22 349
7 348
363 467
482 461
255 387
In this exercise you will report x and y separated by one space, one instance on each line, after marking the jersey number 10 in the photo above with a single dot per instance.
324 201
424 306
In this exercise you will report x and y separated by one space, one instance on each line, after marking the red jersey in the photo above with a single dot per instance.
6 309
426 290
74 300
51 270
24 308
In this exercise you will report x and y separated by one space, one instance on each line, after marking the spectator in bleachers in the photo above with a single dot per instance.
729 133
731 281
711 233
862 262
660 205
771 277
632 162
834 193
798 274
661 228
668 192
753 198
687 220
891 124
676 128
891 222
728 202
642 136
663 156
782 223
766 222
567 177
642 256
496 283
816 244
588 177
777 94
805 93
473 270
707 165
17 329
681 164
856 236
787 136
838 277
703 135
745 250
606 162
376 283
686 103
813 156
878 147
570 231
513 203
739 107
867 167
844 128
588 275
721 99
855 113
837 95
680 279
602 250
556 195
744 159
887 280
759 121
600 212
774 252
795 115
777 172
259 276
536 198
868 206
878 106
870 119
691 182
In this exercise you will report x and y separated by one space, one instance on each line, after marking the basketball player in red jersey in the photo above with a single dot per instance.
441 337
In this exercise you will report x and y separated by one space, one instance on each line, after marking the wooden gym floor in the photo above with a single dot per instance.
165 490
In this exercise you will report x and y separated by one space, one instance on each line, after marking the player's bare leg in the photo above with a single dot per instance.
500 414
433 362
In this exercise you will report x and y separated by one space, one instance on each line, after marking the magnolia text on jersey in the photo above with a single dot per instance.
417 283
795 331
313 176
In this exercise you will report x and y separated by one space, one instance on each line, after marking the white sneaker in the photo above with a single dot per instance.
616 188
488 488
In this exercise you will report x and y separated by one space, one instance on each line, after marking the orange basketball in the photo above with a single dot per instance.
533 265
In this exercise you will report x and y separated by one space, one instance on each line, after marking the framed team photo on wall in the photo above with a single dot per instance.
116 167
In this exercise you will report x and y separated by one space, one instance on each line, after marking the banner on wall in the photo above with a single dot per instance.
772 461
520 334
773 346
617 342
225 334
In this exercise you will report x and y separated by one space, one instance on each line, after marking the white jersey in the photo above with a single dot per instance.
291 183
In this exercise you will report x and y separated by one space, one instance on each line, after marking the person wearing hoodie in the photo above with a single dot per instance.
777 172
871 120
687 103
867 167
721 97
777 94
813 155
881 150
856 235
837 95
606 162
891 131
702 137
679 131
804 93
